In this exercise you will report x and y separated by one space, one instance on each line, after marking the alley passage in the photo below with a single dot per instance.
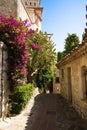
54 113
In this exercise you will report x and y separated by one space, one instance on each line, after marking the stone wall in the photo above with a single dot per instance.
4 91
8 7
72 87
21 11
32 3
56 81
13 7
0 81
18 9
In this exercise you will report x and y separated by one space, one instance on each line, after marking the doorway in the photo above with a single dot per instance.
69 84
84 82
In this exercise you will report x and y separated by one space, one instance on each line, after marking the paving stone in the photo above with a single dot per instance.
56 114
49 112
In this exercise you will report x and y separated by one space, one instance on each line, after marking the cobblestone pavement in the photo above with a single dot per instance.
67 117
55 113
48 112
19 122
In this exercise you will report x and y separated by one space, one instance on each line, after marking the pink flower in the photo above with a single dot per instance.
35 46
31 31
26 23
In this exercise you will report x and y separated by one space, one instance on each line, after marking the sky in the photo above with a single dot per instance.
61 17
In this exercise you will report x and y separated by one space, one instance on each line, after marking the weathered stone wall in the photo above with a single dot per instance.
8 7
56 82
5 82
77 90
32 3
0 81
21 11
13 7
18 9
56 87
4 91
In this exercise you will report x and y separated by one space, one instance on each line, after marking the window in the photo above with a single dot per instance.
57 80
34 4
30 3
26 3
62 73
84 81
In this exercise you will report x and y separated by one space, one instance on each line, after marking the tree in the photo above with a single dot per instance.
59 56
44 78
71 41
44 57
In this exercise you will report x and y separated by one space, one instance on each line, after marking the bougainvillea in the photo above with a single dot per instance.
15 34
35 46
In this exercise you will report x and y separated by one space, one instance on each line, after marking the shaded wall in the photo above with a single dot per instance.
4 90
73 83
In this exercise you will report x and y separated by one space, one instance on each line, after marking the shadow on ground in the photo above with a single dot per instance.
38 101
66 116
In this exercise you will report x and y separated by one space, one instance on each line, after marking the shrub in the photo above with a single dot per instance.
21 96
43 78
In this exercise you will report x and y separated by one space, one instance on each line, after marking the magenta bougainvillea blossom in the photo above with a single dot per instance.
12 30
35 46
15 34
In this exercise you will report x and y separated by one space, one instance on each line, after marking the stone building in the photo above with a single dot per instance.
21 9
56 82
73 77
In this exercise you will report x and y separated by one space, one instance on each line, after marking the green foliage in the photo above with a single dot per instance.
45 57
20 97
16 34
59 56
71 41
43 78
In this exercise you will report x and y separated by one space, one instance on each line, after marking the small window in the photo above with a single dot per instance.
57 80
84 81
62 73
30 3
34 4
26 3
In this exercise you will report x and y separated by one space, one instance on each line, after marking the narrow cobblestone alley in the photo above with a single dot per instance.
54 113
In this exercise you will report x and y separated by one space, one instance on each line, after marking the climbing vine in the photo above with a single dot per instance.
15 34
